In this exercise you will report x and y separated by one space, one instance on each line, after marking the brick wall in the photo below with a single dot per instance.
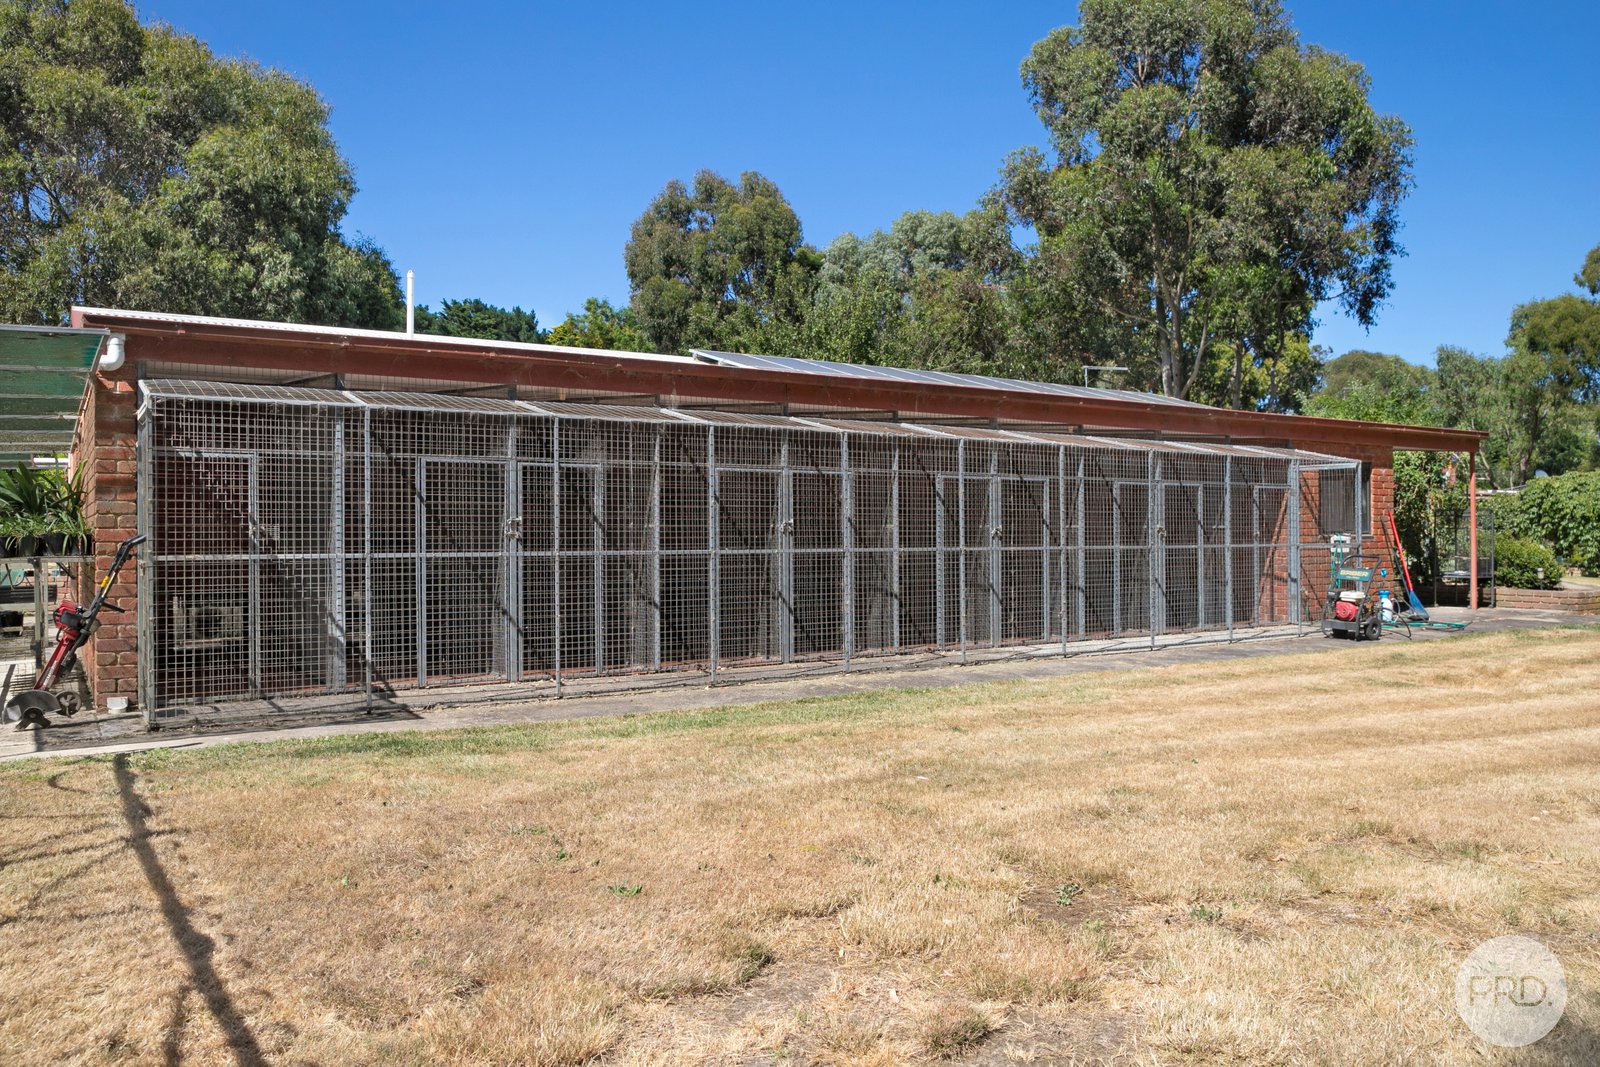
1583 601
106 450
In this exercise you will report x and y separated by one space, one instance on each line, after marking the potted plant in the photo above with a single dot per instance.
42 508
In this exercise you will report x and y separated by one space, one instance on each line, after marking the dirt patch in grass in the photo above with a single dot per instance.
1265 861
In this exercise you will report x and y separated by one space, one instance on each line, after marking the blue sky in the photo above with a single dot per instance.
503 149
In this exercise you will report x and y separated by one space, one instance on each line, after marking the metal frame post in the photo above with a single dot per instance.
785 545
253 517
1082 611
847 562
1062 570
1155 572
366 551
894 544
338 647
597 569
713 553
961 544
655 549
145 575
556 635
996 602
1227 540
1293 504
511 559
1472 531
421 576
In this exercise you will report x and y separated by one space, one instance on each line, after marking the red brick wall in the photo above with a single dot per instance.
1583 601
106 450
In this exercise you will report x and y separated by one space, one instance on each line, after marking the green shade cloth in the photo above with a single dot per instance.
43 373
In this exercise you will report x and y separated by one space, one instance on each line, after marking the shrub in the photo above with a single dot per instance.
1564 513
1517 563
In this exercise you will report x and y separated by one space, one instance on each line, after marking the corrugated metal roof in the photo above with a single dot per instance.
868 372
386 336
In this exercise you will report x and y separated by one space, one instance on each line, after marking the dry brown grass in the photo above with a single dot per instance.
1278 860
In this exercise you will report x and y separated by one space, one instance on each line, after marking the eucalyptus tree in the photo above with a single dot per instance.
140 170
1209 181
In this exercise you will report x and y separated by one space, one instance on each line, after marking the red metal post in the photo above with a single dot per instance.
1472 530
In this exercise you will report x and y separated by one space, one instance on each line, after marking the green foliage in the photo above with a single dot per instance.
474 318
1524 564
599 325
1212 180
718 265
927 293
140 171
1564 513
37 501
1430 497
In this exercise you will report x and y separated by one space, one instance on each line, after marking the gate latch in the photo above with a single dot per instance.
514 528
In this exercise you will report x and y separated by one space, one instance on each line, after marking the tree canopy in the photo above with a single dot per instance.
475 318
141 171
1210 181
718 263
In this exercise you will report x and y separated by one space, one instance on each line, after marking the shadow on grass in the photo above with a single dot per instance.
196 947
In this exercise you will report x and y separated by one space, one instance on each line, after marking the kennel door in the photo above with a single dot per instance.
460 558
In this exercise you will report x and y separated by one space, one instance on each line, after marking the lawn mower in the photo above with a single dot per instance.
74 624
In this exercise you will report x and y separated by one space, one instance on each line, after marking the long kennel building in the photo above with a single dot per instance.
347 511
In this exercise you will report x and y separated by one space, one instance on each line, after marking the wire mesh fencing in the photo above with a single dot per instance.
322 541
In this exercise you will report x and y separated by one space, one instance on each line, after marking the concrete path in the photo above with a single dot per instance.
104 734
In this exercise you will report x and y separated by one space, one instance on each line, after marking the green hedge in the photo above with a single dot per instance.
1517 564
1564 513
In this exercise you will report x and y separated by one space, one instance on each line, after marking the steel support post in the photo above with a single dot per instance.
996 533
1200 555
253 624
785 546
421 574
1293 504
894 545
847 564
655 549
511 560
1082 613
713 552
338 647
1156 567
366 552
1472 531
145 575
961 543
557 634
1062 570
597 568
941 508
1227 541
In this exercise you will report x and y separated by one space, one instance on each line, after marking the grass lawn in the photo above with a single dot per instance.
1276 860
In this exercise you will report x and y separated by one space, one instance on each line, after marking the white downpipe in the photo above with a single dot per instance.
411 304
114 354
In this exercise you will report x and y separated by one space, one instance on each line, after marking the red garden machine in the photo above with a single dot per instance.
1353 608
74 624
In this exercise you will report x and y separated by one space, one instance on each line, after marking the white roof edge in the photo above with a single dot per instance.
374 335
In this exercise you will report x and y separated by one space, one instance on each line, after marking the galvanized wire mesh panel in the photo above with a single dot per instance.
336 542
